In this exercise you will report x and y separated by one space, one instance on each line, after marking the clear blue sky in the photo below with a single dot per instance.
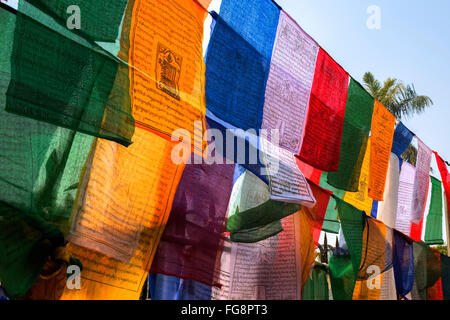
413 45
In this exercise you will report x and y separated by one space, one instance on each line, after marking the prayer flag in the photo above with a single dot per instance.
323 133
355 134
433 231
162 42
127 193
403 264
382 134
289 83
405 198
387 209
421 182
427 270
402 139
317 286
238 61
361 199
193 235
60 78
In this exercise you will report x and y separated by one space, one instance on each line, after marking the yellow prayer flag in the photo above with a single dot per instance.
361 199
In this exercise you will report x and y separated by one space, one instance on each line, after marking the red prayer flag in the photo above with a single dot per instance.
444 176
435 292
322 197
322 142
310 173
416 231
311 221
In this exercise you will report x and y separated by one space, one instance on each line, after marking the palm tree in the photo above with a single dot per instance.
401 100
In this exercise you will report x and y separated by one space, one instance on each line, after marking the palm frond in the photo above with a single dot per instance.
410 103
400 100
372 85
388 87
389 93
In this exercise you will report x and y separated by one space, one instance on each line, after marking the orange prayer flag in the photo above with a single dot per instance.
162 42
128 193
307 246
382 135
362 290
121 215
104 278
370 276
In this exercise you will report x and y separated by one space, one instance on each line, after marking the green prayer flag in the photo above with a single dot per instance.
59 78
258 233
433 230
316 287
252 215
26 242
261 215
342 276
331 222
427 270
352 223
41 163
355 134
41 170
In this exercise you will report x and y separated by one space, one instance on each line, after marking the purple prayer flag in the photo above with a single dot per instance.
193 238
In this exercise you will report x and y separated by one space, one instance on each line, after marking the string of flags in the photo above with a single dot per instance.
130 159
